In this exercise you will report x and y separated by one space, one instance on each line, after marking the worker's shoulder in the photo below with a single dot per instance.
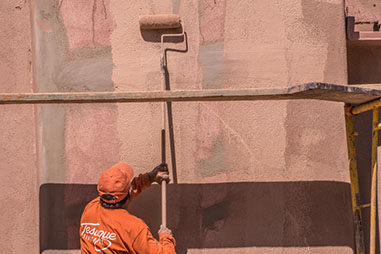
130 223
130 218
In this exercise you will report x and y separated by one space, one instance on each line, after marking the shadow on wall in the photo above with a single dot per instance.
224 215
364 60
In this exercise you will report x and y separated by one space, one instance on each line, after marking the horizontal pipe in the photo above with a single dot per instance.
147 96
366 107
364 206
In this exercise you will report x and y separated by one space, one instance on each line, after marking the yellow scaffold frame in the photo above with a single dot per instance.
356 99
356 204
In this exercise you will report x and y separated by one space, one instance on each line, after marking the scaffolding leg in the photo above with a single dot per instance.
373 202
355 191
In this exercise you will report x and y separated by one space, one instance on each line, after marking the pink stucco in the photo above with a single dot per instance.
240 44
364 11
89 25
286 152
212 21
91 142
18 169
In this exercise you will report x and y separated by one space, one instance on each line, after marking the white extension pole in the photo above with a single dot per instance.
164 203
163 123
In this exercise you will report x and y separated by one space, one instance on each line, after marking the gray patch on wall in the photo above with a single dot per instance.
176 6
57 70
215 163
211 57
88 74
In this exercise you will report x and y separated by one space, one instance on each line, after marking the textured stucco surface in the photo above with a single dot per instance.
272 159
264 47
364 11
73 53
18 172
239 44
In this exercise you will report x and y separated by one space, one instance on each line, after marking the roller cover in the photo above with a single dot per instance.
160 21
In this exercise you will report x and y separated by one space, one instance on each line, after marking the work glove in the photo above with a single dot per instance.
159 173
164 230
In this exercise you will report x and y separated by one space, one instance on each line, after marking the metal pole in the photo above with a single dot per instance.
163 159
147 96
352 95
373 203
366 107
355 191
163 183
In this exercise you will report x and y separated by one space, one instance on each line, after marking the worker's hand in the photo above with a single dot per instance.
164 230
159 173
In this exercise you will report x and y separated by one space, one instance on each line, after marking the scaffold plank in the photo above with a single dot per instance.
319 91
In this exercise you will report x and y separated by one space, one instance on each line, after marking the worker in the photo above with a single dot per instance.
106 225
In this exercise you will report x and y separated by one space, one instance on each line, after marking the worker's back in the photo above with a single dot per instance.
108 230
117 231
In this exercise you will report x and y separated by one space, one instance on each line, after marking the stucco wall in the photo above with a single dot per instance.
238 44
253 177
18 170
260 45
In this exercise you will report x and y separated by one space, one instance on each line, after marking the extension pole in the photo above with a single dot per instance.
165 84
164 199
163 159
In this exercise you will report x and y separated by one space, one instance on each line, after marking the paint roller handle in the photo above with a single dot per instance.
163 183
164 230
163 160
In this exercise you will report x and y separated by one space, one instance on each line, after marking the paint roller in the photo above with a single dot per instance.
159 21
164 21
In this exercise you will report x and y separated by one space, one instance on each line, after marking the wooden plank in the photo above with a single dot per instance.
318 91
376 86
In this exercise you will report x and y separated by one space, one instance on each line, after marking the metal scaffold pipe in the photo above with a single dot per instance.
366 107
353 172
373 203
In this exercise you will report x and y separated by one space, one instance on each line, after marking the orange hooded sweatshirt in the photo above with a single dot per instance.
117 231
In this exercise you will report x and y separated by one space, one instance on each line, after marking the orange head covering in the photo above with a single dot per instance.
116 182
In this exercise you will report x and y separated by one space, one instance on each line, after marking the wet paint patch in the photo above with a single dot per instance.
212 61
216 162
